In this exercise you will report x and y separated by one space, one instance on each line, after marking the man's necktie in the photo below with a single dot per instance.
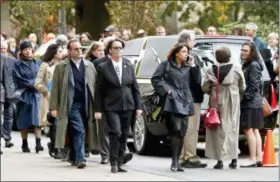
118 72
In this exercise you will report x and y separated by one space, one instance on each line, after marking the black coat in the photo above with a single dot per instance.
98 61
110 95
195 84
252 97
9 81
177 80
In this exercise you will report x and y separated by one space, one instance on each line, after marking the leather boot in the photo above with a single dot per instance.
174 148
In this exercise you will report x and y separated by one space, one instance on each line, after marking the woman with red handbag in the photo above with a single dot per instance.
224 83
251 118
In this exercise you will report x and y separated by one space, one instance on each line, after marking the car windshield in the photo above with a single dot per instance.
156 51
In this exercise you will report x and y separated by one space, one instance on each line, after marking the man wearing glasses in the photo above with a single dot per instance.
72 103
117 96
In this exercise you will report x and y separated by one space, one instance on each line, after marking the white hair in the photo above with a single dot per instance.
252 26
186 35
273 34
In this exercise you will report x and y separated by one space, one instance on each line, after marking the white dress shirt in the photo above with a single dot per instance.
77 63
119 64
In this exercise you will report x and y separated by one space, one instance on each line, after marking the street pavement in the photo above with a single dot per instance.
17 166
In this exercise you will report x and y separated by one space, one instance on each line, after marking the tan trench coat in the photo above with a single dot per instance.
45 75
222 142
62 99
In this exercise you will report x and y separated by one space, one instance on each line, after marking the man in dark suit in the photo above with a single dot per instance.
118 96
8 106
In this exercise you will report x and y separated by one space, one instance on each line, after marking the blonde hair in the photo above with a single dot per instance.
272 34
95 45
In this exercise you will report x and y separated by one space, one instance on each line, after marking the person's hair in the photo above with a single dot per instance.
253 51
273 34
239 31
71 41
51 52
177 48
110 43
95 45
252 25
87 34
184 36
160 28
223 54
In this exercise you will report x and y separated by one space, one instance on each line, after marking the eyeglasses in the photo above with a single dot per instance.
117 48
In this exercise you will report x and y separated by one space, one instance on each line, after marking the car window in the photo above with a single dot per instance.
133 47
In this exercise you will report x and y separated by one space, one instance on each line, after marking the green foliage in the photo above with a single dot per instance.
33 15
226 14
134 15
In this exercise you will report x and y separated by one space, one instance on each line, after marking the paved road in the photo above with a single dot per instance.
18 166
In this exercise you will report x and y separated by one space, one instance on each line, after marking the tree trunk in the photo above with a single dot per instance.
91 16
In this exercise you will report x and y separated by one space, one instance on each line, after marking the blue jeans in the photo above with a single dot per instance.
76 119
8 121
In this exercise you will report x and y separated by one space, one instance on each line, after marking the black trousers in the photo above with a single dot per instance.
118 124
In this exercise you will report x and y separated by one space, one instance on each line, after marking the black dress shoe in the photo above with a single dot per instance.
259 164
1 152
104 161
121 170
9 144
57 154
114 169
219 165
81 165
94 152
180 169
127 158
190 164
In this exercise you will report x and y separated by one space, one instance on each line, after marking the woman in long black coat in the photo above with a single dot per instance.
171 80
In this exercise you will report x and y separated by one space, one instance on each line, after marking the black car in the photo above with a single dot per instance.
146 54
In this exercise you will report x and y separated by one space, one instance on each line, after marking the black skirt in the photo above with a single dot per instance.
176 124
251 118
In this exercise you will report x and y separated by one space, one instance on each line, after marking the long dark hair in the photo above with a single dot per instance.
177 48
254 56
51 52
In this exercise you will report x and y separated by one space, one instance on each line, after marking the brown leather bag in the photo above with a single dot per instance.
267 111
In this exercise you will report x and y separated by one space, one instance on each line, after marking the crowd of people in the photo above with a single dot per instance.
90 99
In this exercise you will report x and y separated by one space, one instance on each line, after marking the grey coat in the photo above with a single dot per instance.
9 81
2 78
222 142
61 99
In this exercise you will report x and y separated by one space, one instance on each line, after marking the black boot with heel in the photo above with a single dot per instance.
24 147
175 147
38 147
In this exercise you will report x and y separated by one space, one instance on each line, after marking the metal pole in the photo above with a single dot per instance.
62 18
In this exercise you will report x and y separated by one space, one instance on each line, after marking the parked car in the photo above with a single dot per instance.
147 53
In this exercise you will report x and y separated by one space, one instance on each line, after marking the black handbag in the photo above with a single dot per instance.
17 96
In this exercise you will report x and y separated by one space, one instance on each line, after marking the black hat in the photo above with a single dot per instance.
24 45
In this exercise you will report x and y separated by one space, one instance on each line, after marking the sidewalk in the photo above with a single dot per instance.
17 166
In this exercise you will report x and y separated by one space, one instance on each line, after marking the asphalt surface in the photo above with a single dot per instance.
17 166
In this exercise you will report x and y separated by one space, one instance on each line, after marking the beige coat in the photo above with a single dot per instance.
222 142
62 95
45 75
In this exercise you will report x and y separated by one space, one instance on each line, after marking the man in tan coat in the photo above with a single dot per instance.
72 103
